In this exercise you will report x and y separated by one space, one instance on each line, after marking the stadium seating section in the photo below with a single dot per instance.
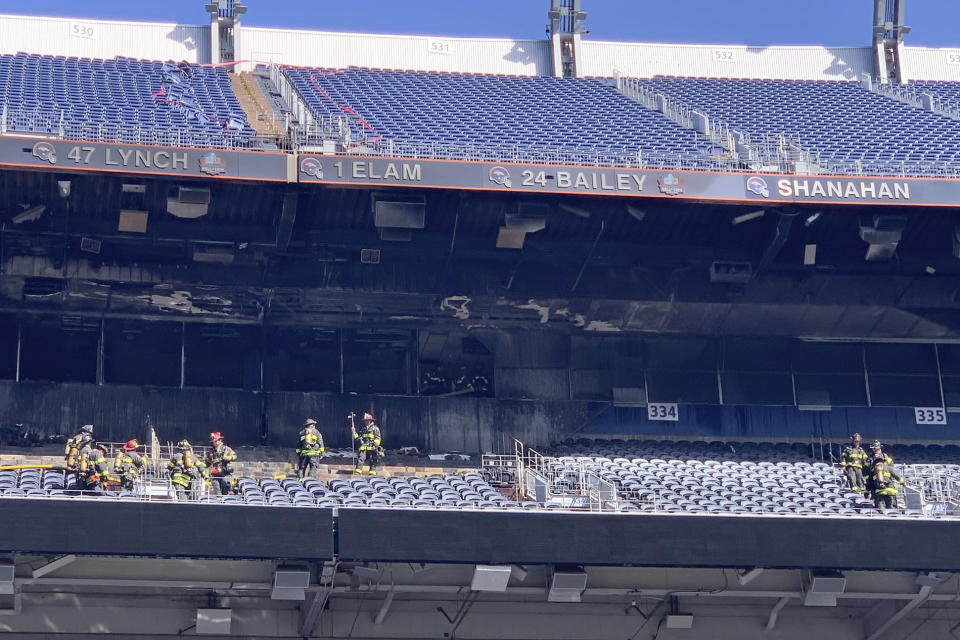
733 477
841 121
468 490
496 111
846 126
663 476
949 91
122 99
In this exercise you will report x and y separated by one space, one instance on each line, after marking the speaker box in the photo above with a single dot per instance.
291 577
490 578
567 584
190 202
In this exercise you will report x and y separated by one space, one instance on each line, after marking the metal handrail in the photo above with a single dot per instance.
53 123
922 99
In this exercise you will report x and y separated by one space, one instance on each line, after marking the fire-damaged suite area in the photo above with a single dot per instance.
459 317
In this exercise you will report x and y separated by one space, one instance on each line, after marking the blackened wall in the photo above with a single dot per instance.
433 424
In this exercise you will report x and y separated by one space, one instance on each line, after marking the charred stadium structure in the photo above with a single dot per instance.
616 308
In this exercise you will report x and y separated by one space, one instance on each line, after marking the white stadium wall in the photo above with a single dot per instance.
921 63
641 60
416 53
85 38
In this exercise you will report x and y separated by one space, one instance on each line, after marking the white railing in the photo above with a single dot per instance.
54 123
535 155
923 100
772 154
936 484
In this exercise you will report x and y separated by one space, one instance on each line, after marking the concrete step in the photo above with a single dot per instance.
255 104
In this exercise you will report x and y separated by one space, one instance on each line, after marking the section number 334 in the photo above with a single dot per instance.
663 411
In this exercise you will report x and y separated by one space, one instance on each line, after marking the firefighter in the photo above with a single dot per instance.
480 384
876 451
309 450
434 381
876 455
884 490
128 464
184 470
462 383
71 452
852 460
472 382
92 468
370 447
219 464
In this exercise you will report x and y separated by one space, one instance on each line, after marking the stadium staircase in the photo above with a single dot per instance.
936 97
847 127
260 113
770 152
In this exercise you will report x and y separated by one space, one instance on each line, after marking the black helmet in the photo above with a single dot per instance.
87 428
184 445
309 422
875 445
855 437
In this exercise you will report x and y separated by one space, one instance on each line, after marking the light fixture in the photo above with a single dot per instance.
577 211
213 621
370 573
746 217
637 213
679 621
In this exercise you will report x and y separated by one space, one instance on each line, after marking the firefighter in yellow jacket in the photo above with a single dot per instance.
71 453
185 471
370 447
128 464
219 465
852 461
92 468
309 449
884 490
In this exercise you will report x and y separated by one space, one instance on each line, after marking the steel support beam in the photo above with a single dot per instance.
53 565
922 596
784 224
385 607
313 611
775 612
288 215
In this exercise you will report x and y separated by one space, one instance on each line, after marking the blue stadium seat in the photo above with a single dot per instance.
122 99
841 121
473 110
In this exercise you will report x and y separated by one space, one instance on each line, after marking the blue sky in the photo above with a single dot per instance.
756 22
